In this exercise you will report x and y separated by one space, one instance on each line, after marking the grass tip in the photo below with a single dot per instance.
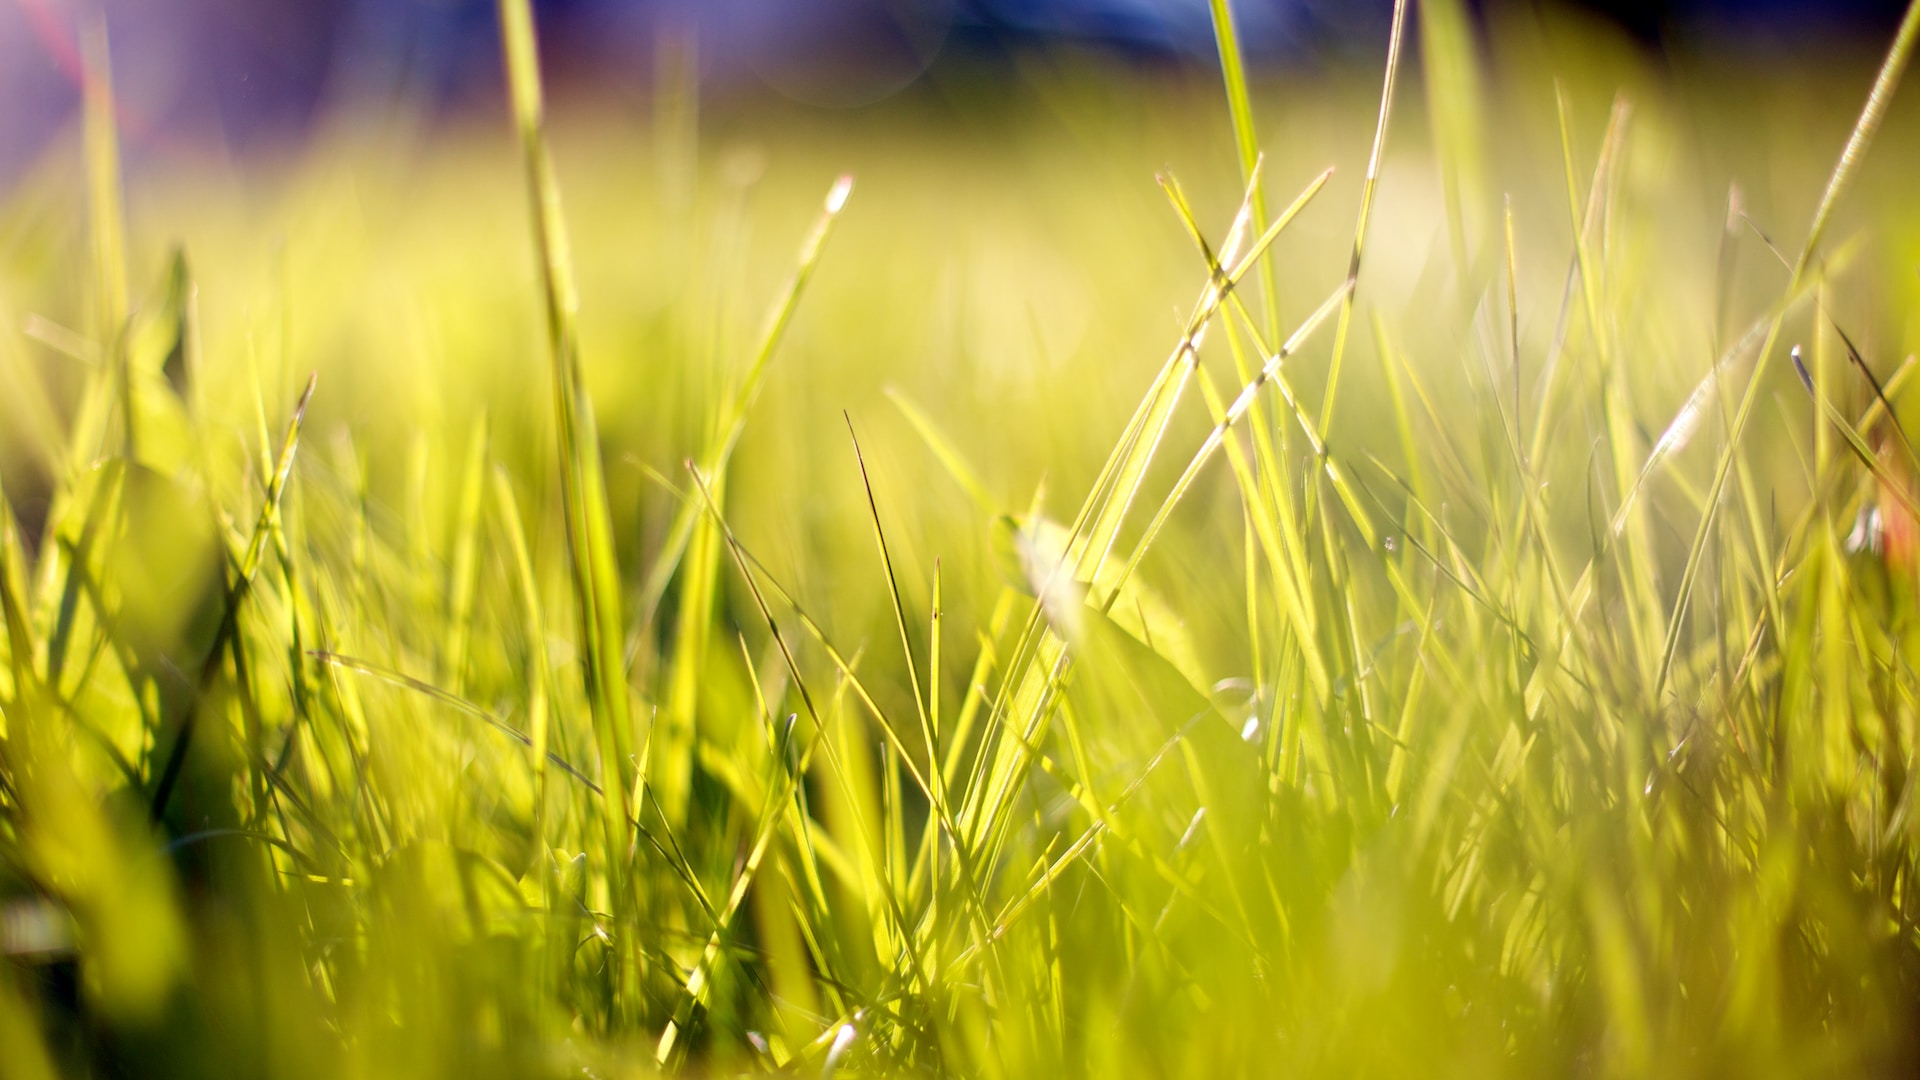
306 396
837 195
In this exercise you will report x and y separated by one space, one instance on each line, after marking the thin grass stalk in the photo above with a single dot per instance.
1367 190
1233 72
595 573
236 594
1878 100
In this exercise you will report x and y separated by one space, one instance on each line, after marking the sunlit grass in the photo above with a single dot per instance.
1425 587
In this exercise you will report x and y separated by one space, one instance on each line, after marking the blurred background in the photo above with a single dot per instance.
243 72
355 154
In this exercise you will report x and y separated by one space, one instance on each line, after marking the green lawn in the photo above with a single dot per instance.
999 618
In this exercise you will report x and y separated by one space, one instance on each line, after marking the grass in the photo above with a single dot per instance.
436 645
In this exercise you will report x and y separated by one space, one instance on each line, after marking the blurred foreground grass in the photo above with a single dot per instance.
1515 678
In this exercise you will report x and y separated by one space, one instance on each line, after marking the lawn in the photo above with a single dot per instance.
1083 568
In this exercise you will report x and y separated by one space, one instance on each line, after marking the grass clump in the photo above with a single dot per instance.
1492 656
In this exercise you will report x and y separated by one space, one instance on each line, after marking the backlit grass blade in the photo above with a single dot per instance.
1235 410
733 416
462 574
1038 657
454 702
1878 99
108 218
1367 190
1246 140
595 573
1457 108
534 628
696 988
13 609
236 595
1893 485
922 702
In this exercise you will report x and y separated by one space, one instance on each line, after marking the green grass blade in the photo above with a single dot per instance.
236 595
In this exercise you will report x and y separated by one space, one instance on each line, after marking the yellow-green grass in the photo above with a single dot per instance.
711 619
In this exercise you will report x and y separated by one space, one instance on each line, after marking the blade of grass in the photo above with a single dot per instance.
452 701
1233 72
236 595
1878 99
734 412
1367 190
108 217
595 573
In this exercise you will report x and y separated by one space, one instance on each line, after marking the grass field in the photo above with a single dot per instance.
723 587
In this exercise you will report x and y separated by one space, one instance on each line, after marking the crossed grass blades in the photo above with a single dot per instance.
1522 728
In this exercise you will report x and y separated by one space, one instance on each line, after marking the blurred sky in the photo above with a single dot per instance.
242 71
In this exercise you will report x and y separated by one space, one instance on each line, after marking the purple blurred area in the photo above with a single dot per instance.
247 71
